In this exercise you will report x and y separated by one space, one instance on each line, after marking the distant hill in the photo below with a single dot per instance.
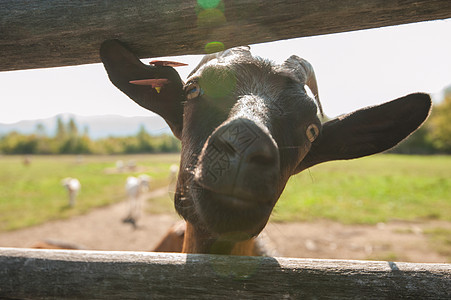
98 126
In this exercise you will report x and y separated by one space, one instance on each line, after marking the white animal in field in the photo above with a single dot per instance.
144 182
173 170
131 165
73 187
135 187
120 166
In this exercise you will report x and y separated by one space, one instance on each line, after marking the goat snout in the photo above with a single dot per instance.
241 160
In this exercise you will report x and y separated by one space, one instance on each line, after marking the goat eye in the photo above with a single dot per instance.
193 91
312 132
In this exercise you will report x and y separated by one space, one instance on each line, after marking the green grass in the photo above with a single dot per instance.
370 190
33 194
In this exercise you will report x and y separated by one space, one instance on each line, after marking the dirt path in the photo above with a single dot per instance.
103 229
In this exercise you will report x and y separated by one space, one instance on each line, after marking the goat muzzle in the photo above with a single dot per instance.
238 171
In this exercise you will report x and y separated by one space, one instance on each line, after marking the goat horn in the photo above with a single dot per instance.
304 72
310 81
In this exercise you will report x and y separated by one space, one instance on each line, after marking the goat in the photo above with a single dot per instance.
120 166
135 187
72 186
26 161
173 169
144 181
246 125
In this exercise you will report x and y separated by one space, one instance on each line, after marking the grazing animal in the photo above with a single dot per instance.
135 187
144 181
26 161
173 169
246 125
120 166
72 186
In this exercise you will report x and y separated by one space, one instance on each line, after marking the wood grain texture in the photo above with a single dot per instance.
74 274
44 33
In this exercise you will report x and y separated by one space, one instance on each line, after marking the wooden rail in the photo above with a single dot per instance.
70 274
38 34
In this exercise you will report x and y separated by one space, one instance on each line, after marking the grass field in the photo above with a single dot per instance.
368 190
33 194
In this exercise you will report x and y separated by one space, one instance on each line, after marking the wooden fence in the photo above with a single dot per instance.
71 274
38 34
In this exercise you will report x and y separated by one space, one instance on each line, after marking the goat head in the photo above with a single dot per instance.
246 125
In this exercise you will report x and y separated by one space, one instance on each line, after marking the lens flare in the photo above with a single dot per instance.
211 17
213 47
211 77
206 4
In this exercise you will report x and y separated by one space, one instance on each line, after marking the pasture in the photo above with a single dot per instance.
32 194
363 191
356 193
368 190
374 189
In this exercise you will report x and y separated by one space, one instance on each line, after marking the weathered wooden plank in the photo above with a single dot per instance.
46 274
37 33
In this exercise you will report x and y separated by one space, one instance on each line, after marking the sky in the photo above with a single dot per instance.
354 70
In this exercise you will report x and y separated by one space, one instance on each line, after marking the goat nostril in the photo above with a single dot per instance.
261 157
260 160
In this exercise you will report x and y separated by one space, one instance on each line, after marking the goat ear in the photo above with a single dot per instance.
128 73
368 131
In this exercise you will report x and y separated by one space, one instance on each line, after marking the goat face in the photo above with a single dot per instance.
246 126
249 120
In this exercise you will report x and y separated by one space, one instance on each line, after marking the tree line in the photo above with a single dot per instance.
68 139
434 137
